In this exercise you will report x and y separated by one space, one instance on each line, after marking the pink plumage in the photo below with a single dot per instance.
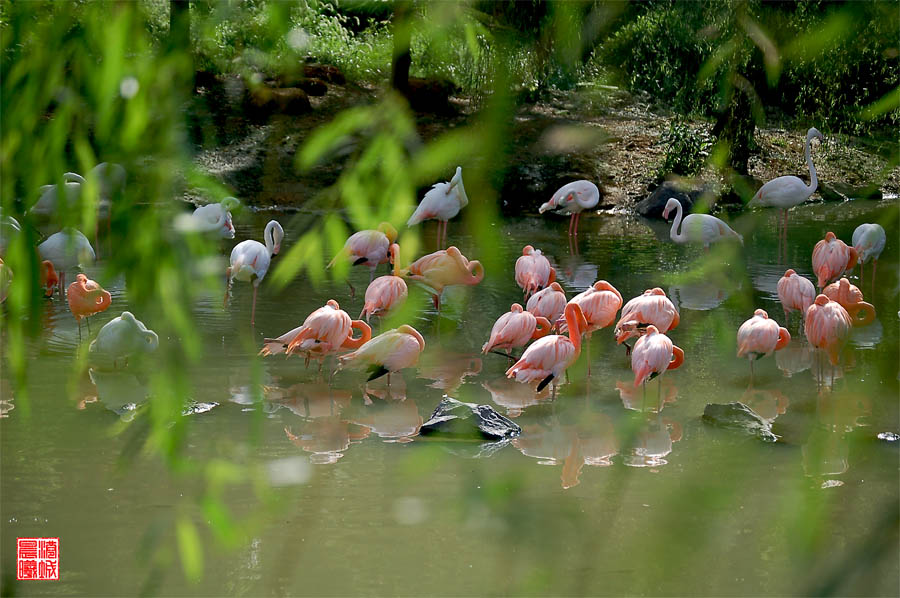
795 293
832 257
600 303
444 268
549 357
390 351
548 303
385 293
653 354
652 307
326 330
827 326
760 336
851 299
369 247
515 328
533 271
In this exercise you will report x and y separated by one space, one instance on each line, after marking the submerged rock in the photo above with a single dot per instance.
653 205
737 416
843 192
460 420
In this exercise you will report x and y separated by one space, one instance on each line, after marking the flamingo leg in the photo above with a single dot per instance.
577 222
227 286
658 394
571 223
438 240
588 353
88 322
751 371
62 284
444 241
79 330
874 265
253 308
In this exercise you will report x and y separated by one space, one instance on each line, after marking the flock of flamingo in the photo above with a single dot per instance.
553 322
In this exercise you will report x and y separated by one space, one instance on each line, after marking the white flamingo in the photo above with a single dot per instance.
215 218
66 250
868 240
698 228
442 202
250 260
573 198
121 337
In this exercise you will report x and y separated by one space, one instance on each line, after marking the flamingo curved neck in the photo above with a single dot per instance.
813 180
674 234
268 235
574 331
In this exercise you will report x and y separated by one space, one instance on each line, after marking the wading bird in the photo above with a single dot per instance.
600 303
868 240
698 228
385 293
215 218
851 299
121 337
572 199
441 269
86 298
368 248
795 293
533 271
652 307
760 336
250 261
547 358
548 303
514 329
66 250
388 352
653 354
442 202
827 327
832 257
785 192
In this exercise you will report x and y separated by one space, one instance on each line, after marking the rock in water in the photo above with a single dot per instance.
737 416
456 419
653 205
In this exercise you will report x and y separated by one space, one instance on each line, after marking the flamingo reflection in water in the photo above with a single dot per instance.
391 420
633 401
513 396
827 450
651 441
448 370
795 358
767 403
326 438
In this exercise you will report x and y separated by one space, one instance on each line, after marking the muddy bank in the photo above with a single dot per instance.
603 135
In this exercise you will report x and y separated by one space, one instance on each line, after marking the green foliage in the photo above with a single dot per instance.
686 150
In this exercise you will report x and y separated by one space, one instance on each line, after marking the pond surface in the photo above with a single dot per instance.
607 492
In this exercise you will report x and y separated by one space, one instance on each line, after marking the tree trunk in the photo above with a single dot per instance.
735 126
180 31
402 58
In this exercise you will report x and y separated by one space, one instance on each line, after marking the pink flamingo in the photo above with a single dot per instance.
759 336
868 240
388 352
653 354
652 307
326 330
549 357
548 303
514 329
385 293
827 326
832 257
600 303
795 293
573 198
851 299
86 298
533 271
444 268
368 248
48 277
442 202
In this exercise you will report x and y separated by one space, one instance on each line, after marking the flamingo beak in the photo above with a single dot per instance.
276 249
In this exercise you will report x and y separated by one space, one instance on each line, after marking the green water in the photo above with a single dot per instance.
603 494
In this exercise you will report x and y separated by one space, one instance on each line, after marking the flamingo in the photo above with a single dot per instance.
326 330
215 218
652 307
653 354
827 327
549 357
548 303
385 293
795 293
442 202
785 192
851 299
66 250
759 336
832 257
697 228
48 278
600 303
388 352
121 337
444 268
368 248
86 298
573 198
868 240
250 261
533 271
48 202
514 329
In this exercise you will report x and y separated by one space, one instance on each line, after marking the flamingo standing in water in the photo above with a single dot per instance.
827 327
600 303
795 293
832 257
698 228
385 293
326 330
66 250
759 336
442 202
549 357
572 199
652 307
368 248
215 218
48 277
868 240
533 271
388 352
548 303
250 261
785 192
851 299
444 268
86 298
514 329
122 337
653 354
